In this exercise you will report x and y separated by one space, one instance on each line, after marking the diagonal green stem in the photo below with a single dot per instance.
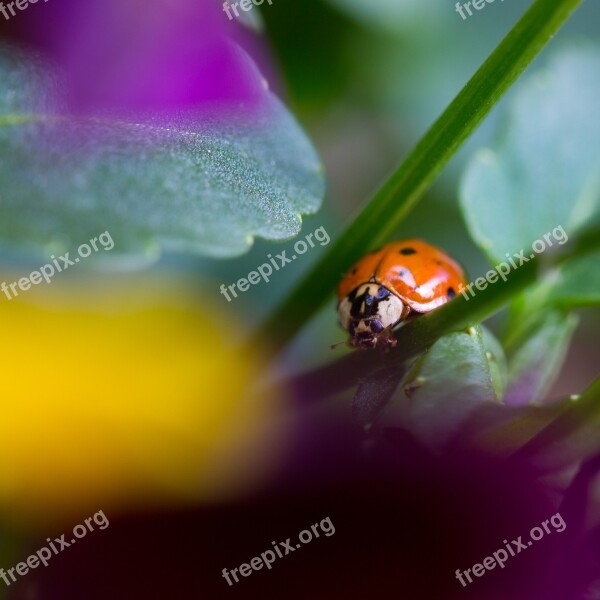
576 414
407 184
417 336
413 338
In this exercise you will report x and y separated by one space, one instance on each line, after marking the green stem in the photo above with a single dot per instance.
413 338
398 196
579 412
417 336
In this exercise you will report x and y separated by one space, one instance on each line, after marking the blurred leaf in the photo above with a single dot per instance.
545 170
391 15
575 283
504 430
251 19
571 283
536 363
407 184
444 387
313 89
206 182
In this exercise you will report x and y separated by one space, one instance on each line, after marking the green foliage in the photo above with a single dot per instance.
542 177
575 283
575 414
539 354
506 212
209 183
544 171
390 15
416 336
403 190
443 388
205 183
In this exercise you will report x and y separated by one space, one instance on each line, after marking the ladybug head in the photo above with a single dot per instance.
369 313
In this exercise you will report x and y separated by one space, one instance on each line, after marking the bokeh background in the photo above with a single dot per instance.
124 389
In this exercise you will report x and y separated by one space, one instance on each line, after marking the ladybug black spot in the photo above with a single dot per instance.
353 272
408 251
451 293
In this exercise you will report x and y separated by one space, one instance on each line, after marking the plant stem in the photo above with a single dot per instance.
413 338
577 413
406 186
416 336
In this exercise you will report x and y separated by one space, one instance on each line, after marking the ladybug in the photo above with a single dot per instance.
402 279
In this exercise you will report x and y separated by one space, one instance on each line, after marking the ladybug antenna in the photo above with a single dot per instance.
334 346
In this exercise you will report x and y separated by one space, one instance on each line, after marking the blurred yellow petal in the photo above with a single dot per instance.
121 395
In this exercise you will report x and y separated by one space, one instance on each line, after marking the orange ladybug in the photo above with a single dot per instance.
403 278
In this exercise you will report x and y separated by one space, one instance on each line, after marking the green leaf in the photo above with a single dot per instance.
444 387
544 173
540 352
406 186
574 284
206 182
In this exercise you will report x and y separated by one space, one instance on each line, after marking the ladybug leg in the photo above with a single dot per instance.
386 339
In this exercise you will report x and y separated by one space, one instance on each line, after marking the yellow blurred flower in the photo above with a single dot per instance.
123 395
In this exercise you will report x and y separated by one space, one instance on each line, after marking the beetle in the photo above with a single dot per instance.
401 280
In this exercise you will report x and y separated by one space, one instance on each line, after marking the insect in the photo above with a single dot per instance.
401 280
